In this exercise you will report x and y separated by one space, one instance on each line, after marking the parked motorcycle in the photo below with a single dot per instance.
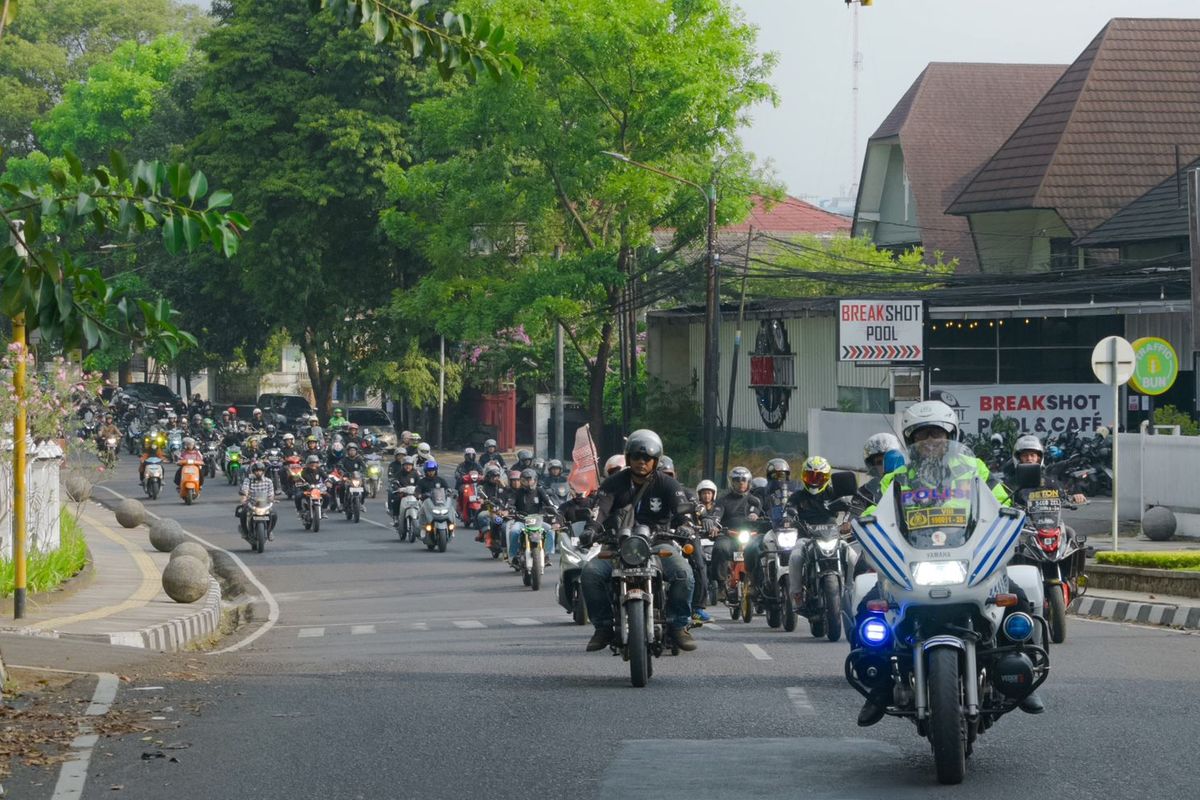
571 559
189 479
152 482
258 519
817 590
944 639
439 525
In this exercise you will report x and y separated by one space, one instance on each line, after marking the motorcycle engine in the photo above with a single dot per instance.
1013 675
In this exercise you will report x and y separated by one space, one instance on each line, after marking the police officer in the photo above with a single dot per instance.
653 499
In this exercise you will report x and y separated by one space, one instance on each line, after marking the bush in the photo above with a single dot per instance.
1170 415
1164 560
44 571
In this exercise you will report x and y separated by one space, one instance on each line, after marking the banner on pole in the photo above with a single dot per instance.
585 472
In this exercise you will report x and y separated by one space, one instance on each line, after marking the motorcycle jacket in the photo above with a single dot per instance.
396 469
271 443
663 503
962 465
734 509
426 485
465 468
813 509
350 465
492 458
403 478
312 475
495 493
532 501
288 451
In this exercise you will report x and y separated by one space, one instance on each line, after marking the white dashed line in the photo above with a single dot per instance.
420 626
712 626
800 701
310 633
758 652
358 630
468 623
525 621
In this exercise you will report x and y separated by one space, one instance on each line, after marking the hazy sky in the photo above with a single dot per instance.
807 136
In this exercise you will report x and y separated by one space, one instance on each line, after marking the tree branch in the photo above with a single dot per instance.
612 112
569 207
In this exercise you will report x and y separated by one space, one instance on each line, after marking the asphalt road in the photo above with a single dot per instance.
394 672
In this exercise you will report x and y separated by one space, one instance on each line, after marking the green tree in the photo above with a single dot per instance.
50 43
511 173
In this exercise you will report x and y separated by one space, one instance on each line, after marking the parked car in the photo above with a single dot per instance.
154 393
287 408
377 420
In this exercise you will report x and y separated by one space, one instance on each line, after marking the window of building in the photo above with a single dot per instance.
864 400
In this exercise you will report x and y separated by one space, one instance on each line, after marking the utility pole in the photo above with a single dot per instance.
855 71
560 447
1193 199
733 365
19 433
441 392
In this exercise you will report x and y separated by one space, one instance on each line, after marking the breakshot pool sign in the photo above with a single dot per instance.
1037 408
881 330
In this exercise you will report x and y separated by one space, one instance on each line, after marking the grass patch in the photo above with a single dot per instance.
44 571
1188 560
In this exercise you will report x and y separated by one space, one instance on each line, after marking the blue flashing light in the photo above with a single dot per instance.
1018 627
874 631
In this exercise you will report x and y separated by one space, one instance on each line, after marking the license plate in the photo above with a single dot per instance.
633 573
262 519
739 557
355 490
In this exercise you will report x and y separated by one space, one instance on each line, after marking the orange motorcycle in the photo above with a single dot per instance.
189 479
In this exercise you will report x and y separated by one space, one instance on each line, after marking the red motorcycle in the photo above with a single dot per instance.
470 501
291 474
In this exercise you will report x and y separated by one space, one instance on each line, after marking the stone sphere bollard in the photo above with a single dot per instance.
185 580
193 550
165 535
130 513
78 488
1158 523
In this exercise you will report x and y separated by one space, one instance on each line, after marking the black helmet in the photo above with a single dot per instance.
643 442
665 464
777 465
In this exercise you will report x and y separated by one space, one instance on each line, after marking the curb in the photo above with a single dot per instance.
1186 617
167 637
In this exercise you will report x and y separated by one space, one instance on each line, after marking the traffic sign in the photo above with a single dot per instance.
1113 360
1155 365
881 330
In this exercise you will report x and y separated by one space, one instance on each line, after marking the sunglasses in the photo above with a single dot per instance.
638 457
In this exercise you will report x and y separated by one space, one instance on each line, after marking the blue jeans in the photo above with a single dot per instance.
514 539
597 575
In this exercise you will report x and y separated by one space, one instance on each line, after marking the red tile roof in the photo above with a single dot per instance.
790 216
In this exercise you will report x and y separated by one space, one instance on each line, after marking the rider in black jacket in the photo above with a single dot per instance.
736 509
528 499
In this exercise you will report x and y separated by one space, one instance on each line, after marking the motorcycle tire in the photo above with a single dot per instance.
535 574
1057 616
947 723
154 489
816 626
712 592
189 497
412 531
578 609
357 511
307 523
440 540
495 554
789 605
374 491
832 591
639 652
349 511
260 537
747 604
774 616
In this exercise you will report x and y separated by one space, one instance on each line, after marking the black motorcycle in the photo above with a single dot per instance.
774 595
817 589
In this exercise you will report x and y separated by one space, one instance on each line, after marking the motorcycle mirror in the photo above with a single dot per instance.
844 483
1029 476
687 508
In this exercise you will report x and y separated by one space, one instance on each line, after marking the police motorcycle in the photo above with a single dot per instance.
438 529
639 596
775 595
944 638
1057 552
572 555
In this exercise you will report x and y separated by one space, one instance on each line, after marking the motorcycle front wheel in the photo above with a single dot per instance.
260 537
947 724
578 610
153 489
639 653
535 572
832 591
747 603
1057 616
441 541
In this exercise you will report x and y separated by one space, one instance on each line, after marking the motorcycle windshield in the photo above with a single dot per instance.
438 495
936 494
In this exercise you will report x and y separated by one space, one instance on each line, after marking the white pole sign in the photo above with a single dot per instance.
1113 362
881 330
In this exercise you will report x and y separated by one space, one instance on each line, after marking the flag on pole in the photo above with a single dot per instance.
585 471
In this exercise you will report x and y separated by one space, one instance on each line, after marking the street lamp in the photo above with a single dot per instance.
710 310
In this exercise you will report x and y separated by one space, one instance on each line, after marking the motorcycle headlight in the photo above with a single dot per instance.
786 539
744 537
827 546
939 573
262 512
635 551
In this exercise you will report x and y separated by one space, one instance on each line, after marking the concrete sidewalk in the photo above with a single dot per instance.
122 603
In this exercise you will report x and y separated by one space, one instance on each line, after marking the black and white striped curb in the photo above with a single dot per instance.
1146 613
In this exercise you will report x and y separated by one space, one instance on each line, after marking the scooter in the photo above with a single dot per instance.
571 559
153 477
189 479
408 514
469 501
439 526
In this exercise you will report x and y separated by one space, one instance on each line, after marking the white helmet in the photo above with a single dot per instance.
614 464
422 450
706 484
879 444
1029 442
928 413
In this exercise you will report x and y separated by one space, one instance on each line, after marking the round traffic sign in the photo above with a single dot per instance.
1112 360
1155 365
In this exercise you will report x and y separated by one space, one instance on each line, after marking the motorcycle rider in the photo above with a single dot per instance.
738 507
430 480
651 498
494 493
149 450
470 463
875 450
192 453
401 472
287 445
312 446
491 454
524 460
312 475
258 422
338 420
272 441
108 430
553 473
1030 450
928 428
779 487
256 481
614 464
529 498
352 462
811 502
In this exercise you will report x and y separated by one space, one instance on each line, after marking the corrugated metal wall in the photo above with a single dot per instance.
1175 327
818 373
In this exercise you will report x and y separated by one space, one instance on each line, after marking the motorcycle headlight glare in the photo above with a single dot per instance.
939 573
744 537
874 632
827 546
1018 626
786 539
635 551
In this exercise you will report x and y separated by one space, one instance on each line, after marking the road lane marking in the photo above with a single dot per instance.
73 773
420 626
800 701
468 623
758 652
310 633
712 626
358 630
525 621
272 606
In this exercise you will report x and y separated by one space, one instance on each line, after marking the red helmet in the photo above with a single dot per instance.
232 411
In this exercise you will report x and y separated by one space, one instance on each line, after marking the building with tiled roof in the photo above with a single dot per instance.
791 217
